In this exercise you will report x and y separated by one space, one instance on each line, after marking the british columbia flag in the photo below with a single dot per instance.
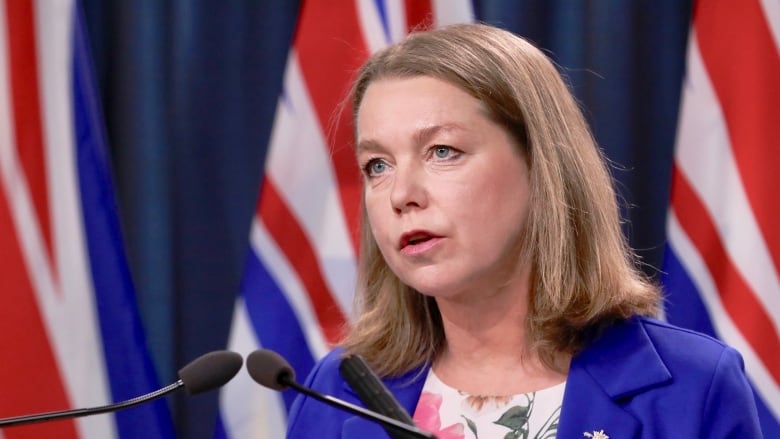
69 327
299 278
722 265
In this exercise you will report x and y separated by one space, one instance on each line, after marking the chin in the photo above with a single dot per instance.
435 290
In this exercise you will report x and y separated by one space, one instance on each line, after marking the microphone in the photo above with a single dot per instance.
373 393
207 372
270 370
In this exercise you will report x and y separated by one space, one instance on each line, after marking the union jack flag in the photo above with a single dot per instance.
723 255
296 294
69 327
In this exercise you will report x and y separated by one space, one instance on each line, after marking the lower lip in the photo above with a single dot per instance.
419 249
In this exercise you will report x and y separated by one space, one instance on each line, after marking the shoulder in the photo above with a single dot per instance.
704 361
325 373
649 338
686 346
308 415
652 366
664 352
662 332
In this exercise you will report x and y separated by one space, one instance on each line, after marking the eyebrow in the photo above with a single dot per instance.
421 136
367 145
424 135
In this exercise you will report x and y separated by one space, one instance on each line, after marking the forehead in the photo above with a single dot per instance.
416 102
423 87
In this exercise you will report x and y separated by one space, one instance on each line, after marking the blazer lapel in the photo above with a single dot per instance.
406 390
617 366
588 410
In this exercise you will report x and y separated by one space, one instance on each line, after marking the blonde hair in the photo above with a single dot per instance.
584 276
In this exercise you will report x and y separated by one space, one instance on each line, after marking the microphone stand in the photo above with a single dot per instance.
285 379
76 413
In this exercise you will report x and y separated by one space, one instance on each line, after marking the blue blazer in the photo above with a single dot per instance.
641 379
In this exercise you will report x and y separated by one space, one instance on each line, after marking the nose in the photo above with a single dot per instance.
408 191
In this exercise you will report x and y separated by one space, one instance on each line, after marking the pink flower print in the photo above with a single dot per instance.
426 416
454 431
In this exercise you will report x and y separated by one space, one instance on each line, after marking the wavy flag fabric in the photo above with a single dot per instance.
722 265
69 328
297 288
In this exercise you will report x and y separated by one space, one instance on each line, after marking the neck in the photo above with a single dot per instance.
491 327
487 351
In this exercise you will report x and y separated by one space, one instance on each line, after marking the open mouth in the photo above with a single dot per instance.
415 239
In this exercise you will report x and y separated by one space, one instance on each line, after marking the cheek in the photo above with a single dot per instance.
499 195
378 219
496 206
372 208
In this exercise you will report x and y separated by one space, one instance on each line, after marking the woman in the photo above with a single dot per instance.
497 297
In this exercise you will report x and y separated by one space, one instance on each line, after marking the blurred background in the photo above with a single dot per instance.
189 90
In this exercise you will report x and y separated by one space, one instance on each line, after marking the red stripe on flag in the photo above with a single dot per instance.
744 64
29 378
26 107
293 242
331 48
735 294
419 15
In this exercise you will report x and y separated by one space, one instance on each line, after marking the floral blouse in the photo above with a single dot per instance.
451 414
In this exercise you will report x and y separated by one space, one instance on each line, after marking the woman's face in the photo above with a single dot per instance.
446 188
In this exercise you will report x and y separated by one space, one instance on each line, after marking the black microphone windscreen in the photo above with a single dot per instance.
266 367
210 371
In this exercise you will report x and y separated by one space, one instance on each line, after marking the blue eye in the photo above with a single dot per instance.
374 167
378 166
441 151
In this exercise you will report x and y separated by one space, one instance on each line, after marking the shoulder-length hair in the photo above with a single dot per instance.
584 276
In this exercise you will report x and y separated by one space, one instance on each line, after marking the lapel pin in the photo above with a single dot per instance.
596 435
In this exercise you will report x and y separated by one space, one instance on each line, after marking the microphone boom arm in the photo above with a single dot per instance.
76 413
285 380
